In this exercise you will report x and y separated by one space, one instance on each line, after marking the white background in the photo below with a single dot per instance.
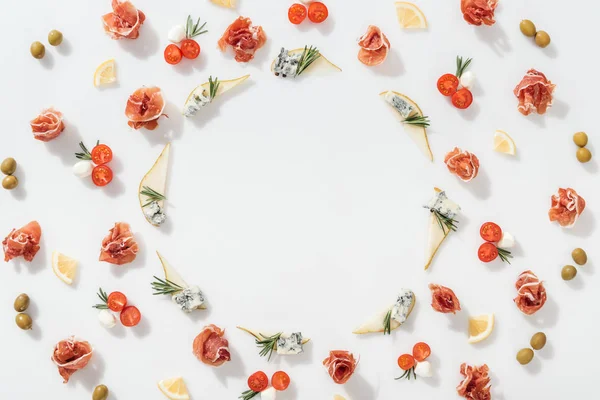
296 204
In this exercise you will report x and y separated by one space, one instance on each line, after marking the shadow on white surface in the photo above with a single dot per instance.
392 66
92 374
434 381
459 322
496 388
19 193
38 263
547 352
118 330
546 317
187 67
145 45
170 126
325 27
534 367
233 369
551 51
64 48
142 329
36 331
495 37
358 388
67 144
584 226
48 60
470 113
480 187
559 109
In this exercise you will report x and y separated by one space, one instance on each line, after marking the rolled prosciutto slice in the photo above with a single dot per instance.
534 93
119 247
23 242
48 125
124 22
340 365
476 382
566 207
478 12
374 47
144 107
244 38
71 355
443 299
211 347
531 293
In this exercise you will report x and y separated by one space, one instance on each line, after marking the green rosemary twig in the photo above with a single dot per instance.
104 297
165 286
268 344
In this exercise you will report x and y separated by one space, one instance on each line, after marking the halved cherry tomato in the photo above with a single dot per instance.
462 99
317 12
101 154
421 351
130 316
172 54
406 362
297 13
190 48
490 232
102 175
116 301
280 380
258 381
447 84
487 252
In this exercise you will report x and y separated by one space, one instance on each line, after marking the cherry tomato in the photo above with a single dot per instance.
101 154
130 316
190 48
317 12
421 351
490 232
102 175
280 380
116 301
297 13
258 381
172 54
406 362
462 99
447 84
487 252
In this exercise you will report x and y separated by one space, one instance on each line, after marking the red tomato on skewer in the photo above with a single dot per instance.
462 99
172 54
190 48
130 316
297 13
116 301
258 381
101 154
490 232
280 380
447 84
102 175
487 252
317 12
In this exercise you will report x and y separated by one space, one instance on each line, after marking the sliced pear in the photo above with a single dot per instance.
436 235
375 323
417 133
172 275
320 65
224 86
260 335
156 179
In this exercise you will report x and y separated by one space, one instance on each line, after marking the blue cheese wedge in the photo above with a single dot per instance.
286 63
399 312
189 299
436 232
443 205
399 104
154 213
290 344
196 102
403 306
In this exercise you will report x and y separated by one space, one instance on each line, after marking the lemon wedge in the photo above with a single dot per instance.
338 397
174 388
224 3
64 267
410 16
480 327
503 143
105 73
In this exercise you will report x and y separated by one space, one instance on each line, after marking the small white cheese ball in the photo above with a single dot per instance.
507 241
307 1
83 168
107 319
177 33
467 79
423 369
268 394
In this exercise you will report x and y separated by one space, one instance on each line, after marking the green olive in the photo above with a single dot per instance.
538 341
524 356
55 37
9 166
568 272
580 139
542 39
100 393
583 155
10 182
37 50
23 321
21 302
579 256
527 28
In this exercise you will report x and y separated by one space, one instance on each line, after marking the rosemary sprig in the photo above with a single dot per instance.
152 195
248 394
461 66
387 323
104 297
504 255
214 86
407 374
418 120
85 155
309 55
165 286
268 344
192 30
447 224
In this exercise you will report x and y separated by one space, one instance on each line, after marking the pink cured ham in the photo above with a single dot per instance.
566 207
531 294
48 125
340 365
119 246
124 22
244 38
463 164
144 108
23 242
71 355
374 47
211 347
534 93
443 299
478 12
476 382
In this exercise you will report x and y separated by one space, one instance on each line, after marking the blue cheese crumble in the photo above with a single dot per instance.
154 213
399 104
443 205
286 64
291 344
403 305
195 103
189 299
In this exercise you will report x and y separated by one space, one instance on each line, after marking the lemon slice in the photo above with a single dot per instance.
503 143
338 397
174 388
224 3
480 327
410 16
64 267
105 73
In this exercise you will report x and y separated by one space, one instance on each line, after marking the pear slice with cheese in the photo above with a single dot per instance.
417 133
262 335
173 276
319 66
375 323
204 89
156 179
435 236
